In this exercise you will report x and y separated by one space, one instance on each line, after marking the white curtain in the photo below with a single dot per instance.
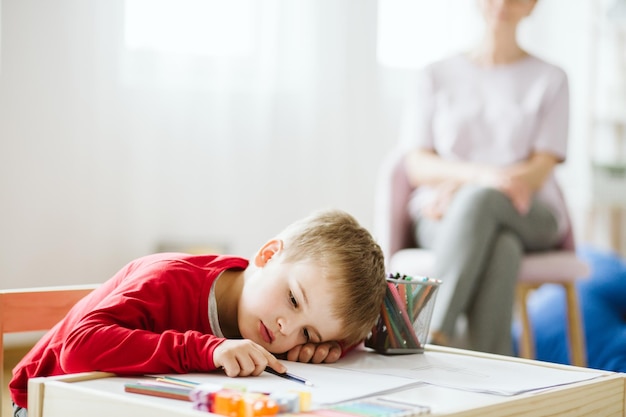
126 126
121 133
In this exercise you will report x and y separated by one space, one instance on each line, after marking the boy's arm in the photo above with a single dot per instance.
99 343
132 329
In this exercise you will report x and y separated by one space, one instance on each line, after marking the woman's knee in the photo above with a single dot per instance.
508 245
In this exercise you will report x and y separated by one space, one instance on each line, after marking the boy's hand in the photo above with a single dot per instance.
327 352
243 357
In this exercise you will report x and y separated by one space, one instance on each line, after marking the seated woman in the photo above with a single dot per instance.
492 125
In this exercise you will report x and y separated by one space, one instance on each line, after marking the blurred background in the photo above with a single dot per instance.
129 127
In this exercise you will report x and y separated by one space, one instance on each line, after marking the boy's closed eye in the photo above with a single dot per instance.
293 300
295 304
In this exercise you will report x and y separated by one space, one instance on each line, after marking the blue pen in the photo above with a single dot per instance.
289 376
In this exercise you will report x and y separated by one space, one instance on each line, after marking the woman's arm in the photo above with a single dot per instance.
425 167
534 171
518 181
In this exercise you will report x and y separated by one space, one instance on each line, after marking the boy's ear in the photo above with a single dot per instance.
267 251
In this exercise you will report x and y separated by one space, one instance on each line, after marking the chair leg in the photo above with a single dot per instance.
526 344
575 326
1 361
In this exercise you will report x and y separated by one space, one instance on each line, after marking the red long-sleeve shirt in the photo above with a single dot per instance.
151 317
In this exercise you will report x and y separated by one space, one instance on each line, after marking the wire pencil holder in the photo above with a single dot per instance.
404 320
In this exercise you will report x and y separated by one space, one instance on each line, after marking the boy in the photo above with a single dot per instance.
310 291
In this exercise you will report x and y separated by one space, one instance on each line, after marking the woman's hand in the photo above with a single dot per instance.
327 352
444 193
513 186
520 181
518 192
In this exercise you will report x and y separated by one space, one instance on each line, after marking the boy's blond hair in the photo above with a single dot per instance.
350 257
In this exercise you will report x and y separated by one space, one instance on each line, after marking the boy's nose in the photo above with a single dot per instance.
285 326
282 325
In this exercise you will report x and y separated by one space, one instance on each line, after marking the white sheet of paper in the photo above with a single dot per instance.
330 383
465 372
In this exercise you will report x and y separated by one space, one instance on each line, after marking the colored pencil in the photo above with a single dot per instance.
405 322
177 381
158 390
396 339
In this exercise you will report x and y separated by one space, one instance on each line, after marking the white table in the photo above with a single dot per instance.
97 394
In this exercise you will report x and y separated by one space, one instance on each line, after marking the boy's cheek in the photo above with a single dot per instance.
284 348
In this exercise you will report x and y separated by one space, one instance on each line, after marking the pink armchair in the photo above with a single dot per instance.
394 230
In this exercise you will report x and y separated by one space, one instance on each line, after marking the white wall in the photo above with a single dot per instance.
95 171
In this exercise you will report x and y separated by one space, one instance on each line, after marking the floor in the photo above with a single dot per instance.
12 355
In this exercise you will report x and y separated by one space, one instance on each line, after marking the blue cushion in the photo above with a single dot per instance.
603 306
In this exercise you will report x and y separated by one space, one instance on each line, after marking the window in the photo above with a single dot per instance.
412 33
214 28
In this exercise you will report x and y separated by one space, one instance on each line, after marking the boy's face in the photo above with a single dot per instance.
284 305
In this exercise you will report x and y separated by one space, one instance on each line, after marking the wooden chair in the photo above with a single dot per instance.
394 231
33 309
